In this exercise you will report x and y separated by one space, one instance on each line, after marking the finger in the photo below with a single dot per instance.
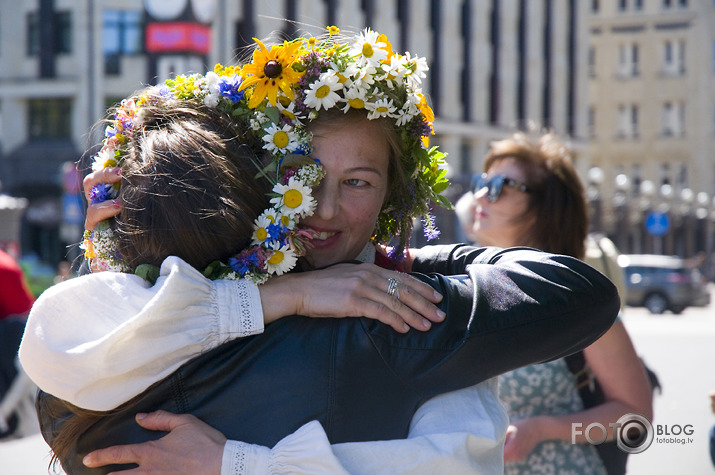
388 309
162 420
381 312
100 211
104 175
414 299
118 454
422 288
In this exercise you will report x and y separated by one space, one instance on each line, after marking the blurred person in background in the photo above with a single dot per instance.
530 195
15 296
17 392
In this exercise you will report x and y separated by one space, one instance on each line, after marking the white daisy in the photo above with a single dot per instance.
322 92
409 110
295 198
368 49
280 140
282 259
363 78
354 99
380 108
105 158
289 111
270 214
395 70
418 68
260 229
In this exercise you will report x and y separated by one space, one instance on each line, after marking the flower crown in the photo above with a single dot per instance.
280 91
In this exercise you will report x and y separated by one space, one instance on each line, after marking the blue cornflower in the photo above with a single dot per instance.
228 87
101 192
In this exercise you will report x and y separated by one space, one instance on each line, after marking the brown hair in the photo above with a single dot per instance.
188 189
557 201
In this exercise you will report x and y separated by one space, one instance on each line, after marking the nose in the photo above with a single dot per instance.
328 200
480 196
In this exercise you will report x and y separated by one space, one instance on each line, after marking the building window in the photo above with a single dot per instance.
122 35
628 60
666 3
638 5
592 61
50 118
63 32
668 119
591 121
62 41
33 34
634 129
622 5
683 3
595 6
673 58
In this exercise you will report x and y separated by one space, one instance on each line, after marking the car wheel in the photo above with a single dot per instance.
656 303
677 309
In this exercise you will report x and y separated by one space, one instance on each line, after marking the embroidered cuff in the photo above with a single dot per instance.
239 309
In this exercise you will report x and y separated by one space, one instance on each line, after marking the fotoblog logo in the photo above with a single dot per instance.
633 433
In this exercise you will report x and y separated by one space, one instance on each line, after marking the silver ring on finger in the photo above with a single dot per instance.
393 289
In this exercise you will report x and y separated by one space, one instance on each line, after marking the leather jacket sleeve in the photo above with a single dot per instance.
527 307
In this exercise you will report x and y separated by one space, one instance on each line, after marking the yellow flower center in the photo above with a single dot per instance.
285 220
276 258
261 234
356 103
280 139
367 50
382 109
322 91
292 198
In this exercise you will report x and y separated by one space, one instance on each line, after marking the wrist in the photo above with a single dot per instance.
277 298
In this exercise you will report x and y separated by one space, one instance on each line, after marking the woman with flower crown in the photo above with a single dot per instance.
344 183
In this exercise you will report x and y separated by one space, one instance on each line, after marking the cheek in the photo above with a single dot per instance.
363 216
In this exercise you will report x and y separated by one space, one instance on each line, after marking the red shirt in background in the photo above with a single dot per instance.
15 296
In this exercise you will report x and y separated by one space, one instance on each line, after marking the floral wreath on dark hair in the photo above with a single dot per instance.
279 93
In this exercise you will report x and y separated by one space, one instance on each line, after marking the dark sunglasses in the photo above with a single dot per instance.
494 185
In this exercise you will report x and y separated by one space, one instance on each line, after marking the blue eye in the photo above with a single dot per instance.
355 182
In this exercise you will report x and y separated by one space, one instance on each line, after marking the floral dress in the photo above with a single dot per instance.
547 389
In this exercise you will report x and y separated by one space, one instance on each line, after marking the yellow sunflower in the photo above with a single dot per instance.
270 70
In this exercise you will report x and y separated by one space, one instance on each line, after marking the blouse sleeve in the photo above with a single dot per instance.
304 452
132 334
443 438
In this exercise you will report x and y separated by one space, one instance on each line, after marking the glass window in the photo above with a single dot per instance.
622 5
63 32
122 35
33 34
635 69
592 61
50 118
634 121
638 5
595 6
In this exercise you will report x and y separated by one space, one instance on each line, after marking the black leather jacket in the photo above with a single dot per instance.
358 377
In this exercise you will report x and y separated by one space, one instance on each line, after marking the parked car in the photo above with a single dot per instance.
662 283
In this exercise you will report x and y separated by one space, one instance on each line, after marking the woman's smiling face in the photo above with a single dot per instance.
355 156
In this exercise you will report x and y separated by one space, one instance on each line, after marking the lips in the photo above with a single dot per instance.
322 239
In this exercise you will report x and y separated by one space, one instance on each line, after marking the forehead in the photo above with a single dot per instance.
509 167
353 143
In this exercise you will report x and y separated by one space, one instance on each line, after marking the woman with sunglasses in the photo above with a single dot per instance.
530 195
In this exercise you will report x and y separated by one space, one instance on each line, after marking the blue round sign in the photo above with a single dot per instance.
657 223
